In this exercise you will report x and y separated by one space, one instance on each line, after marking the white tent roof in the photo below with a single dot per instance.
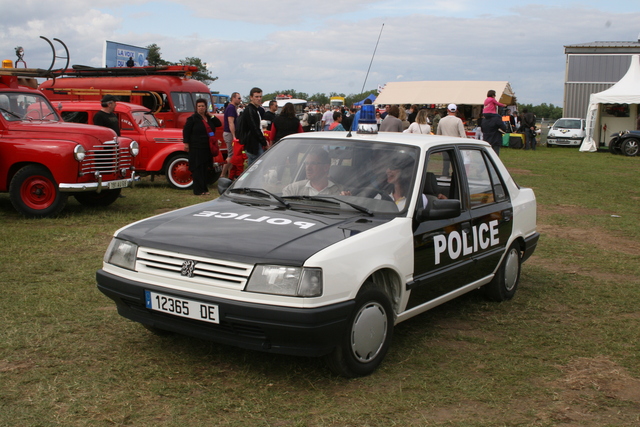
443 92
626 91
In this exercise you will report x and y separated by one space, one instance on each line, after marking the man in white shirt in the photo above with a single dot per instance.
451 125
317 165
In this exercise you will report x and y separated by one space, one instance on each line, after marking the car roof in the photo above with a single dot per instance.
419 140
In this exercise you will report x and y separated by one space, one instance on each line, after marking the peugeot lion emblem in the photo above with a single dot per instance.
188 267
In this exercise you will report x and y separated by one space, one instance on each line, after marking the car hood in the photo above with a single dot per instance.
62 130
225 229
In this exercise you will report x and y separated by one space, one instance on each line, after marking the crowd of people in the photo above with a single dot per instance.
249 129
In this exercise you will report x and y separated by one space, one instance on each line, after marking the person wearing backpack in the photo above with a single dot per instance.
251 135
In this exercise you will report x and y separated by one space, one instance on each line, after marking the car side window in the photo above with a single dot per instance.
440 180
75 116
482 178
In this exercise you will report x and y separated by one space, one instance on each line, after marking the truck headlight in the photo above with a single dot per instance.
121 253
284 280
134 148
79 153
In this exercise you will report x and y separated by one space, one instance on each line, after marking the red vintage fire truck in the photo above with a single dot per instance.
168 91
161 149
43 160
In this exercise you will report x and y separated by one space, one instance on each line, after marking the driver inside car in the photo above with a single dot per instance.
317 165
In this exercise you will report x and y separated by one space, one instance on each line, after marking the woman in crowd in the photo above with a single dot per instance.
392 123
199 139
403 118
421 125
285 124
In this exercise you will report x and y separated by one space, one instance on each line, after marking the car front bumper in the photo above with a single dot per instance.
284 330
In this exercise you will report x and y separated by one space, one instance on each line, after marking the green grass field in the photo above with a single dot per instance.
564 351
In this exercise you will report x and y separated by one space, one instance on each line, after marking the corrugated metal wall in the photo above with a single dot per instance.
576 97
587 74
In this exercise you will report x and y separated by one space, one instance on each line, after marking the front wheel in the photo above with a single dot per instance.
505 283
368 336
630 147
93 199
35 194
178 173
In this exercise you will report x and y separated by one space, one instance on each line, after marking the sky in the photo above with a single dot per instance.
325 47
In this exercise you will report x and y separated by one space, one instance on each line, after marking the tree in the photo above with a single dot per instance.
353 98
203 74
154 57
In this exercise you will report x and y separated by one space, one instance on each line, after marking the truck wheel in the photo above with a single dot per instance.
630 147
178 173
505 283
35 194
93 199
367 338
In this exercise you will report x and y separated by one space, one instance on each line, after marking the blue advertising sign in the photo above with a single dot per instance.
117 55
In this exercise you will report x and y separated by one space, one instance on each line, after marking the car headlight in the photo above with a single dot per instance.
284 280
121 253
134 148
79 153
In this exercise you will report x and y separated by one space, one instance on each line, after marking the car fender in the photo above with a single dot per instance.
347 264
157 162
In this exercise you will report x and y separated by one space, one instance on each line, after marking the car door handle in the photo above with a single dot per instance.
507 215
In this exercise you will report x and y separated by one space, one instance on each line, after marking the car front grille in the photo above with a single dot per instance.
106 159
197 270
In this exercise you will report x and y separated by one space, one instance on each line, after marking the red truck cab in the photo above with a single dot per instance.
161 149
43 160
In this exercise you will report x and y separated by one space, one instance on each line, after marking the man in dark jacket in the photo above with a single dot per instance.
529 125
492 130
251 135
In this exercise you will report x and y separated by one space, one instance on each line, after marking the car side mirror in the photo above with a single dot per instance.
440 209
223 184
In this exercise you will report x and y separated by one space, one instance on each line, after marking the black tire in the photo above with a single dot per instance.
367 338
35 194
505 283
630 147
93 199
178 173
614 146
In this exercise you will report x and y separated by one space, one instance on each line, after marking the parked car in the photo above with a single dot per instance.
43 160
161 149
626 142
566 131
325 243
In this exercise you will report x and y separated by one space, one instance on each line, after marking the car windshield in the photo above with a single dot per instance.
331 175
567 124
145 119
15 106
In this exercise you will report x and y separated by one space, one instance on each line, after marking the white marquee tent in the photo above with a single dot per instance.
626 91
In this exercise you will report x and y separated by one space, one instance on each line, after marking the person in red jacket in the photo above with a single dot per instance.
237 160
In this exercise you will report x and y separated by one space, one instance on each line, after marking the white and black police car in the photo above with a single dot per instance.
325 243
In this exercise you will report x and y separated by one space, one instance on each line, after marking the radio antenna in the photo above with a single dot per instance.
373 56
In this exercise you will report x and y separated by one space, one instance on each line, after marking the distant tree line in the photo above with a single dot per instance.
543 110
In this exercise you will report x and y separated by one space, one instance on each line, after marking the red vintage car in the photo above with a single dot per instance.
43 160
161 149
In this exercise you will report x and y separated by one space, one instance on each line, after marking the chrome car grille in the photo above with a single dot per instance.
205 271
106 159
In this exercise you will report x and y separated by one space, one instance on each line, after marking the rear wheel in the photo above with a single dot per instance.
630 147
35 194
178 173
505 283
367 338
104 198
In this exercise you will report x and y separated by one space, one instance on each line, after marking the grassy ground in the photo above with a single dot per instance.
564 351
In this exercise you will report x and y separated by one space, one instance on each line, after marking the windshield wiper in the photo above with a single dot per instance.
246 190
326 198
10 112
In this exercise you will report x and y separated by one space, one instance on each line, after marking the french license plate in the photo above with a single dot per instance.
553 141
182 307
118 184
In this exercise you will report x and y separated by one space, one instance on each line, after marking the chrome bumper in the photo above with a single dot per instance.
99 185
